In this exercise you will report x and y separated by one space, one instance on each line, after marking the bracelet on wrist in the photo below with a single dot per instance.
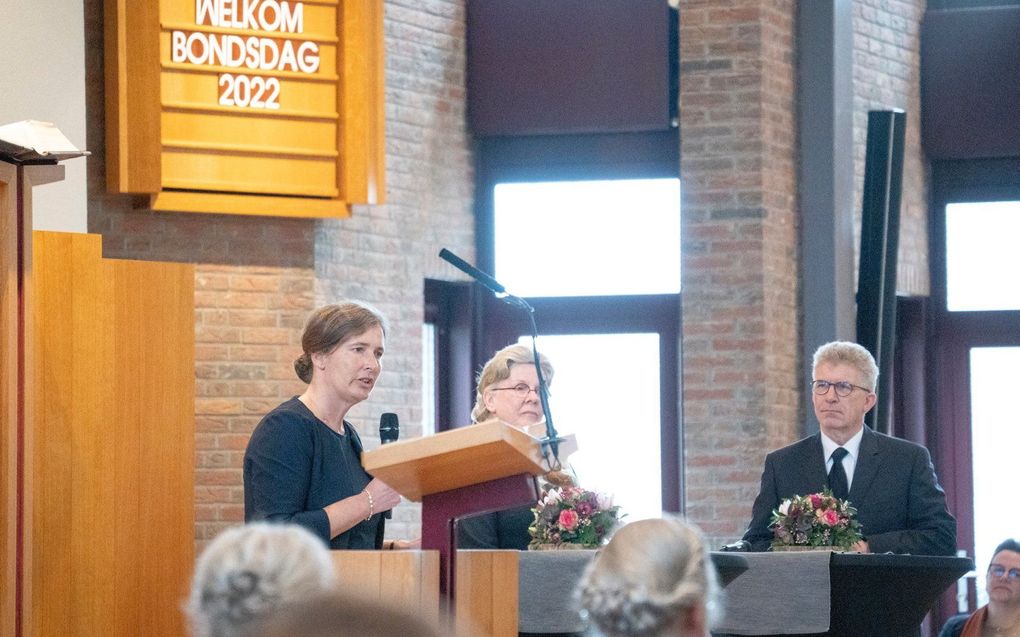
371 505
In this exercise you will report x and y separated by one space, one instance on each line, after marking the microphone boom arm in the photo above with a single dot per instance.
551 442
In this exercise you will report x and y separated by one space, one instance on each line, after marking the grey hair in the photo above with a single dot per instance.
249 571
650 572
852 354
498 369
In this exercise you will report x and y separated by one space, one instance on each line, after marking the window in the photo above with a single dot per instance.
974 344
600 261
995 436
588 238
614 415
982 261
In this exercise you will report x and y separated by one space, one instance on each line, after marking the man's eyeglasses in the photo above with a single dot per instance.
842 388
997 570
521 390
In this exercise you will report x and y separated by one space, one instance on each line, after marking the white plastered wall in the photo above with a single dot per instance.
42 76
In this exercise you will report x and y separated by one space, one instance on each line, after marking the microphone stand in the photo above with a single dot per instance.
551 442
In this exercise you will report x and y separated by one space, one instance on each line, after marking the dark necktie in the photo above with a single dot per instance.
837 476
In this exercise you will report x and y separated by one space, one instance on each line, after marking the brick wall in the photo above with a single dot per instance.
256 278
887 68
739 251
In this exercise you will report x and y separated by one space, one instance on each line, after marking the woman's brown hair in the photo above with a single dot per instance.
331 325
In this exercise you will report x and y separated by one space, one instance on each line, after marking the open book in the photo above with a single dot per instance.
32 141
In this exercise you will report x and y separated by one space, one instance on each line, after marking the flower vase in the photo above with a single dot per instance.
834 549
562 546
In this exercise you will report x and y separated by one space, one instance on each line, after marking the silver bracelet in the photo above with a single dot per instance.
371 505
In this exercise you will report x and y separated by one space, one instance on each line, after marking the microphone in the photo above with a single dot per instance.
389 431
472 271
389 428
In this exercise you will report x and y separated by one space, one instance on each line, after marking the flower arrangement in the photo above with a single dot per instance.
816 520
572 516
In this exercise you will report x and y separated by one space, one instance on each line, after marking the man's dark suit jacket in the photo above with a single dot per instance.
899 502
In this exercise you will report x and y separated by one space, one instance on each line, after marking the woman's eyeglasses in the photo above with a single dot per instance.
1000 571
521 390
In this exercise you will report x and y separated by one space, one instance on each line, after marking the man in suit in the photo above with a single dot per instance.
890 481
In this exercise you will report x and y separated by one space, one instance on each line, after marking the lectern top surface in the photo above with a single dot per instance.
458 458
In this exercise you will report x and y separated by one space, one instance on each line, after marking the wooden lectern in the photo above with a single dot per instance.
484 467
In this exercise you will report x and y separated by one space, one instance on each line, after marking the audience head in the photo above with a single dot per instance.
335 616
1002 588
249 571
511 367
653 579
331 325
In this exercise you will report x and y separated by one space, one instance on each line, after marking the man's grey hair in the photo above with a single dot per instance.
852 354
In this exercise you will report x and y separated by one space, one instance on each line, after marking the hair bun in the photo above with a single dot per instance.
303 367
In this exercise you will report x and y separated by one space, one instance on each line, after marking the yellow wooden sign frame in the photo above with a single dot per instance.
319 151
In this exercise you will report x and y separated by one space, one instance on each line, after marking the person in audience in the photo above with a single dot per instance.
890 481
1001 616
508 391
248 572
336 616
303 461
653 579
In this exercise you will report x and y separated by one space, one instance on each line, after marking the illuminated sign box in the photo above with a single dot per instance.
269 107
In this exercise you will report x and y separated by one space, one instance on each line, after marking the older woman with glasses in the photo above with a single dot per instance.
508 391
1001 616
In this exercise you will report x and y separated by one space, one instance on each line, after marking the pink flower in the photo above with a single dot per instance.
830 517
816 500
568 520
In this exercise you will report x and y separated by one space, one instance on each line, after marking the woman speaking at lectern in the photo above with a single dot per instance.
508 391
303 462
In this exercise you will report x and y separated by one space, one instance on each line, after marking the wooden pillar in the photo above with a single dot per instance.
16 184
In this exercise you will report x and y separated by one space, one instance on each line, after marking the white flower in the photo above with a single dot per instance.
784 508
552 497
605 501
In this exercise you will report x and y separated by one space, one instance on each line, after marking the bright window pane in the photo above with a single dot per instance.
615 416
588 238
995 437
982 259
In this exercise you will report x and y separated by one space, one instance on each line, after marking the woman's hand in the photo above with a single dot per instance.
384 497
402 545
375 498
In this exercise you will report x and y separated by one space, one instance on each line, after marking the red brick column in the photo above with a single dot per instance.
739 251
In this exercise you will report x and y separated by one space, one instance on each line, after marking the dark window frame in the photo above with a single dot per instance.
576 158
953 334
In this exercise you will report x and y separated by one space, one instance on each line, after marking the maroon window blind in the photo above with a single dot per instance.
569 66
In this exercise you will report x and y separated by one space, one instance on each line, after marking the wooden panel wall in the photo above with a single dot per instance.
486 596
407 579
110 536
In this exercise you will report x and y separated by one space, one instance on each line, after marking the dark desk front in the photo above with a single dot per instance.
825 593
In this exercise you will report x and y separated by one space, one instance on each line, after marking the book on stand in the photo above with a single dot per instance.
33 142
